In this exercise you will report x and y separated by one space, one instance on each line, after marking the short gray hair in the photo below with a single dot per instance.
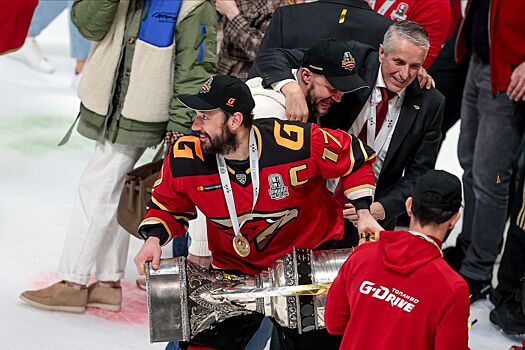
408 30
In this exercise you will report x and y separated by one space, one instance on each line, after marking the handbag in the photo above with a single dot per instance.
137 193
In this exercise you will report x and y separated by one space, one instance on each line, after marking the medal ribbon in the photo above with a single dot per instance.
227 188
378 141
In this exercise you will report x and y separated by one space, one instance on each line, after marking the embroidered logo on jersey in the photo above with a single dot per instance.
348 61
394 297
400 14
207 86
208 188
241 177
277 188
260 228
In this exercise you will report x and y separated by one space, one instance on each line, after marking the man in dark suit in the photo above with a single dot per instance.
407 140
303 24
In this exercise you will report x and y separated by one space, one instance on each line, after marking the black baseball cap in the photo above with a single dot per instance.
221 92
334 60
438 189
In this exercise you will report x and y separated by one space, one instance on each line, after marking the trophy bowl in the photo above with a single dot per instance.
184 298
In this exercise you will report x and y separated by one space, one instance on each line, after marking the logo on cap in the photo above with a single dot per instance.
230 102
207 86
348 61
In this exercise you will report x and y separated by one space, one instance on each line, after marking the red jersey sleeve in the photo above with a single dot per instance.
169 209
339 154
435 17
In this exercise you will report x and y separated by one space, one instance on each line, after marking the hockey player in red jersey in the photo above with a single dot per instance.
261 186
399 293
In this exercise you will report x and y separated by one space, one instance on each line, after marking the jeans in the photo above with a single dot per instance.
489 141
46 12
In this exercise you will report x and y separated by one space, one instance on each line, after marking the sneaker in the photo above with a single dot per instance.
454 257
31 55
509 318
141 283
478 289
57 297
104 296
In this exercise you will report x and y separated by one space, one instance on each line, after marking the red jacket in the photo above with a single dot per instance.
506 40
434 15
398 293
15 18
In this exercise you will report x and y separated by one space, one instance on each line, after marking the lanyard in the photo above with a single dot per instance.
227 188
378 141
384 8
426 238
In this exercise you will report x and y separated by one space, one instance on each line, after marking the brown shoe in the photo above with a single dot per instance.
103 296
57 297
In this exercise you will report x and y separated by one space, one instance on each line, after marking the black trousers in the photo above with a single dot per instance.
289 339
512 268
235 333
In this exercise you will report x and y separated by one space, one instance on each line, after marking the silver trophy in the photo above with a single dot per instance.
185 299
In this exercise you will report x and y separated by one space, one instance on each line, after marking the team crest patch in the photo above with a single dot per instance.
400 14
277 188
348 61
241 178
207 86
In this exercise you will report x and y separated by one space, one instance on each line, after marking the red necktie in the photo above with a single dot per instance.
381 112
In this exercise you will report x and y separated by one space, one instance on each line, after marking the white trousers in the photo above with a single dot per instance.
94 236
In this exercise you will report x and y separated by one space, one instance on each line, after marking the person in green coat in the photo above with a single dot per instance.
145 53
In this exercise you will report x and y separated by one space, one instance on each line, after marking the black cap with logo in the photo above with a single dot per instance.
333 59
438 189
221 92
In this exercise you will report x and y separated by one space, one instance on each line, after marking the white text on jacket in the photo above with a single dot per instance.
393 296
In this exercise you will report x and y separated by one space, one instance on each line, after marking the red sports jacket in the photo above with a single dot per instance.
434 16
506 40
398 293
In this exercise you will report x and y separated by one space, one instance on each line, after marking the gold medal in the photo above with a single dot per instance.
241 246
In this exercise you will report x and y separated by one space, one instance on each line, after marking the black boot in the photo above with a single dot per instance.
477 289
509 317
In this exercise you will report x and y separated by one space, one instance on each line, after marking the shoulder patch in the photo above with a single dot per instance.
283 141
187 158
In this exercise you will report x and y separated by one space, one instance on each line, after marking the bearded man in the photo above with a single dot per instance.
258 206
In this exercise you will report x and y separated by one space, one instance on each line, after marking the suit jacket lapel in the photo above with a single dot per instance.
409 110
